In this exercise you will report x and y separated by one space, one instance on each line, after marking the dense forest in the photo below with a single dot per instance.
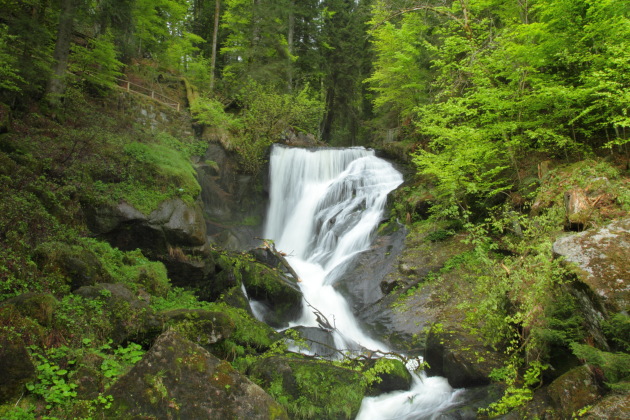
511 118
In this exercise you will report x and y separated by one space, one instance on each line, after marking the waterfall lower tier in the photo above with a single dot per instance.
324 207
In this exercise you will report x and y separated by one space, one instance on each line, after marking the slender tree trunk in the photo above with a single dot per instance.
290 36
215 36
57 83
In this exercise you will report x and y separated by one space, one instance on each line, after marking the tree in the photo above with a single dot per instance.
57 82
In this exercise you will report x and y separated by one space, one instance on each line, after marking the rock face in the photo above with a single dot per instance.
173 223
234 203
601 258
180 380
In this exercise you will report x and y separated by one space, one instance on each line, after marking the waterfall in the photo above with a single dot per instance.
324 207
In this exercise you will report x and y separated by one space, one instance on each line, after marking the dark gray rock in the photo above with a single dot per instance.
234 203
179 379
174 223
460 357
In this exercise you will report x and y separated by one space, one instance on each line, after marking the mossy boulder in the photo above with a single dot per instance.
37 306
281 297
200 326
79 265
250 336
599 259
392 374
16 368
179 379
310 388
574 390
128 313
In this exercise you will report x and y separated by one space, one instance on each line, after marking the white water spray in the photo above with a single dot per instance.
324 206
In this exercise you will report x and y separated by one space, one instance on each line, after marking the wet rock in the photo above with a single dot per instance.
468 402
315 386
365 281
319 342
179 379
403 322
600 258
397 379
16 368
281 297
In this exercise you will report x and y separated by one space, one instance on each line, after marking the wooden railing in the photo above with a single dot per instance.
134 88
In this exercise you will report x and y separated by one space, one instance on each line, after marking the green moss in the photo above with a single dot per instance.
162 172
311 389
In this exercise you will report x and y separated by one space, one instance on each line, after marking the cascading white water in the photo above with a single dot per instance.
324 206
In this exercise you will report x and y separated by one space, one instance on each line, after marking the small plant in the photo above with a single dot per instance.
52 383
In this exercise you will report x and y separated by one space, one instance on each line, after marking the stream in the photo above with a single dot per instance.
325 204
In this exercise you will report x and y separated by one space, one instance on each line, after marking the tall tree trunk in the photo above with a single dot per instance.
290 36
57 83
215 35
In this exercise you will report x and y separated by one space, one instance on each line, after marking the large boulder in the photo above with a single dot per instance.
279 299
600 258
179 379
574 390
37 306
129 315
79 265
612 407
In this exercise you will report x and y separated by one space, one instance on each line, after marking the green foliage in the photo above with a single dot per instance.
131 268
178 298
516 394
96 63
616 366
59 369
160 172
9 73
617 331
